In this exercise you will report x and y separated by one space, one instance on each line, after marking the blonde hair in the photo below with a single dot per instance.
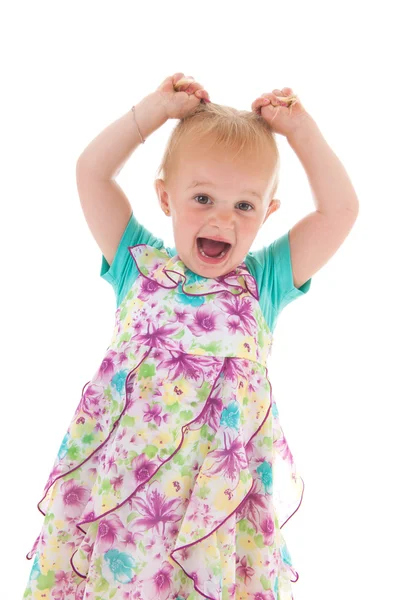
241 130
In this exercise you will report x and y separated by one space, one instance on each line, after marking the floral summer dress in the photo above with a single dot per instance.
174 477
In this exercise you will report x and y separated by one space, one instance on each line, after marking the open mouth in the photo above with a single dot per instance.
212 251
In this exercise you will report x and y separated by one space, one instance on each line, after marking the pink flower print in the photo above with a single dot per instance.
117 482
233 369
157 337
283 449
156 509
91 401
147 289
244 571
201 513
235 306
229 461
131 539
143 468
109 531
108 366
182 315
256 507
212 412
74 497
206 320
186 365
161 582
267 526
153 413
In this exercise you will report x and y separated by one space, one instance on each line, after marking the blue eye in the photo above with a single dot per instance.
205 203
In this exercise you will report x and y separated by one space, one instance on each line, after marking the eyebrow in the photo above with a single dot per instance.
210 183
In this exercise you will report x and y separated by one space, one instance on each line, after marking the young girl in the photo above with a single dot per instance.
174 478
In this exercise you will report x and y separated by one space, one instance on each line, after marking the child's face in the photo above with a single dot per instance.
221 209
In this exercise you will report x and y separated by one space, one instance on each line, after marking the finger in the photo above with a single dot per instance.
259 103
176 77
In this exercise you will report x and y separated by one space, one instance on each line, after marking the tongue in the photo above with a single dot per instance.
212 247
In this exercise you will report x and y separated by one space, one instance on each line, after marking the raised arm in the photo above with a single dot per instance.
106 208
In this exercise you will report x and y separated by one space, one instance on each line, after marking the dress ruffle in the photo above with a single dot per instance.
242 477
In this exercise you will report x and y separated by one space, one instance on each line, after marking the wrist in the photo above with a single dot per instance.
149 114
303 131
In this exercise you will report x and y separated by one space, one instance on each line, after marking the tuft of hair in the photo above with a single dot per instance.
243 131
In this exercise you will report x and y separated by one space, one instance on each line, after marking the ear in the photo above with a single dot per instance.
162 194
273 206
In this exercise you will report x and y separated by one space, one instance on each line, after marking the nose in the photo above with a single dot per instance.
223 218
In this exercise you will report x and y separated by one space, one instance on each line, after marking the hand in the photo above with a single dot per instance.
180 95
282 110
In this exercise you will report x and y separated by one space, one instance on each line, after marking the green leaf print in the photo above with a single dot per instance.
146 370
46 582
259 541
174 408
150 450
265 582
245 401
127 421
186 471
203 492
131 516
213 347
204 431
186 415
74 452
178 336
101 585
125 337
49 517
267 441
243 525
88 438
123 313
105 487
204 391
113 592
179 459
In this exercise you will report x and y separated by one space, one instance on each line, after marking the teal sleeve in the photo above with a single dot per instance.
123 271
272 269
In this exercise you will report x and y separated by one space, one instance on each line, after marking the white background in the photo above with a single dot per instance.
69 70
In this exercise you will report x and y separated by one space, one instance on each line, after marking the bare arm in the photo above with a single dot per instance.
105 206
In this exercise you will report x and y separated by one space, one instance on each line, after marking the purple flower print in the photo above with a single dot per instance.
156 509
240 314
63 585
109 532
147 289
74 497
229 461
161 582
200 514
206 320
153 414
186 365
245 572
212 412
182 315
283 449
233 368
91 401
157 337
117 482
107 367
256 508
143 468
